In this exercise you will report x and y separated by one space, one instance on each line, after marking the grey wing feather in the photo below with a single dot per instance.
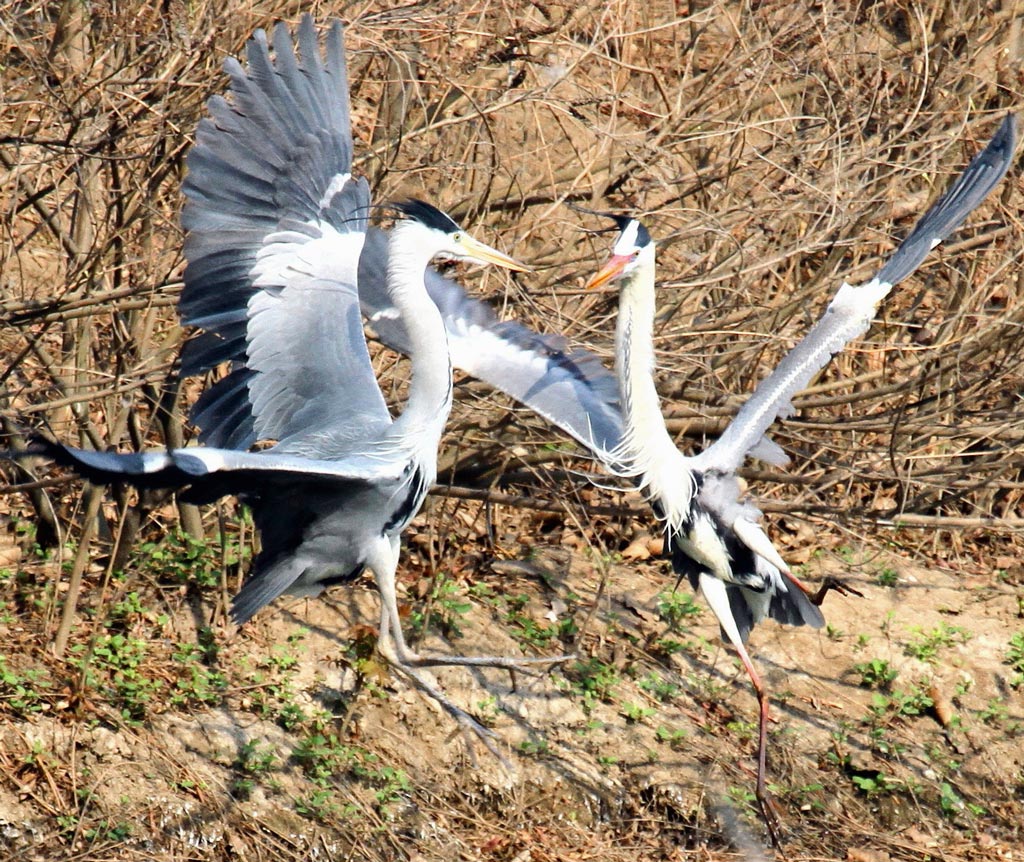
570 388
223 471
960 200
849 315
275 228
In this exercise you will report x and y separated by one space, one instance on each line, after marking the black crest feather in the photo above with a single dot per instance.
427 215
643 238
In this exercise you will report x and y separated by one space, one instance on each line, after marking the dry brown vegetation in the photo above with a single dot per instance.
778 147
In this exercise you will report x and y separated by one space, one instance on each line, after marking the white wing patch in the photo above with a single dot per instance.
322 253
337 184
475 341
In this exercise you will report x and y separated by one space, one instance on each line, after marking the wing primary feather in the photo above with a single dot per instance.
960 200
850 313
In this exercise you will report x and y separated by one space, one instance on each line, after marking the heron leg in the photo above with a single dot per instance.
828 583
715 593
764 800
409 658
471 728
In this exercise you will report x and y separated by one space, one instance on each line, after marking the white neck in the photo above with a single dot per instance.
430 390
647 450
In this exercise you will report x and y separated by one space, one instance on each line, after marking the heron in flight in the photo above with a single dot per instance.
714 537
276 225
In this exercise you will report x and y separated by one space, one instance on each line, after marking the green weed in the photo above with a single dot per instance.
887 578
634 713
926 646
875 673
952 805
676 607
673 738
658 687
594 680
444 610
24 692
873 785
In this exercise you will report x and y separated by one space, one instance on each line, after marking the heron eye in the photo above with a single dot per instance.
456 237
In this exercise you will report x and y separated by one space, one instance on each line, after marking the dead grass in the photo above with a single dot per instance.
776 147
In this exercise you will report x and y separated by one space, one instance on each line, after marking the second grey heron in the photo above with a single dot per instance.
714 537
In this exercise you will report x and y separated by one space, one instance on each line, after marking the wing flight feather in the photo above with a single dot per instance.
572 389
275 228
849 315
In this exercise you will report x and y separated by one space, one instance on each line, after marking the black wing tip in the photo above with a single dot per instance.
1005 138
998 152
39 444
426 214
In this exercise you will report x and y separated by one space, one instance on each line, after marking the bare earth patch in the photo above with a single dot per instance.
903 714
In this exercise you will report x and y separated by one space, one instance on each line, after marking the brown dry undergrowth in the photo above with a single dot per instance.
777 147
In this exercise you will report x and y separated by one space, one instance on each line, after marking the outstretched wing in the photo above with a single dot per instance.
275 228
213 473
572 389
849 315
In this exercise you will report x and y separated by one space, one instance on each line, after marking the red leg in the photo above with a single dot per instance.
764 799
829 583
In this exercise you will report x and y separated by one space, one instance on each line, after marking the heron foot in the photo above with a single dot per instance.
472 730
770 816
831 583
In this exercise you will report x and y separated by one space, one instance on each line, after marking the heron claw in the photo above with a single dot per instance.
469 726
770 816
831 583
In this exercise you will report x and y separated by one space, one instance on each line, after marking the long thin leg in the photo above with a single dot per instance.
764 799
384 575
470 727
830 583
718 600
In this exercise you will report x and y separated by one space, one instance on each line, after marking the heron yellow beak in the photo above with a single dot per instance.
610 271
482 253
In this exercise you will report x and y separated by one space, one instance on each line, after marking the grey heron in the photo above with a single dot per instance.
275 227
713 536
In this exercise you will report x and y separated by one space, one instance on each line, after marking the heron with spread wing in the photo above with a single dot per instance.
276 225
714 537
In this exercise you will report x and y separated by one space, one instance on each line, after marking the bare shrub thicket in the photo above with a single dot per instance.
777 151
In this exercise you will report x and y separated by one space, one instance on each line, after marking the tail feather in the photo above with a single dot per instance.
783 601
264 585
790 606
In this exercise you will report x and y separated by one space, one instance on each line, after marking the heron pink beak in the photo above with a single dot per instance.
610 271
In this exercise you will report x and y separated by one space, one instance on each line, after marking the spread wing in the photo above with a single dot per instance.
275 227
572 389
849 315
226 470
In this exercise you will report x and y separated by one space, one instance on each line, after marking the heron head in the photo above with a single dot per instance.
631 247
441 234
